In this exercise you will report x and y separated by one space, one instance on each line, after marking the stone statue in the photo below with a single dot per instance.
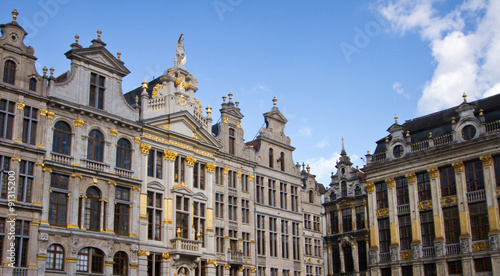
180 57
182 271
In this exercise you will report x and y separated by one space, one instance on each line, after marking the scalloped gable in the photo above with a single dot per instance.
101 57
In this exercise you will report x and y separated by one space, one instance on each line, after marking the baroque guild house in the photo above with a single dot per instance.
143 183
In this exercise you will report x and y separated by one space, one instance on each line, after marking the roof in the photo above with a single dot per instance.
130 96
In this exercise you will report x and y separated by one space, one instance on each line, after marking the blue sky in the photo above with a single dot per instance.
338 68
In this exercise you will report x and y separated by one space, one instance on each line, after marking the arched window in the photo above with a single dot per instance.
333 196
231 141
55 258
92 217
95 147
123 154
343 187
90 260
271 158
357 190
61 142
120 265
32 86
9 72
282 161
311 196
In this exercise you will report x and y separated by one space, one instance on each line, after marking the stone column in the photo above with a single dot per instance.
374 241
468 266
143 198
354 254
102 205
329 259
439 240
465 236
190 162
227 270
110 226
393 219
17 129
491 196
78 145
45 186
81 223
416 243
168 214
342 259
74 201
134 211
353 218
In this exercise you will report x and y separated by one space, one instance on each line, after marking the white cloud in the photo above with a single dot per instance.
323 167
398 87
464 42
323 143
305 131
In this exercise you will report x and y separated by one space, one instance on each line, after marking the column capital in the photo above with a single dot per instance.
458 166
390 182
169 155
411 177
433 172
211 167
370 187
190 161
145 148
486 160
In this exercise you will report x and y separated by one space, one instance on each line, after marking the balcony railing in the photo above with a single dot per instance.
404 209
186 245
20 271
378 157
420 146
476 196
385 257
95 165
124 172
443 140
453 248
235 255
61 158
157 103
493 126
429 251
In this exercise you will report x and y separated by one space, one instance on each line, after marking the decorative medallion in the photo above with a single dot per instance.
79 123
481 246
181 101
449 200
425 205
113 132
250 177
226 170
20 106
382 213
406 255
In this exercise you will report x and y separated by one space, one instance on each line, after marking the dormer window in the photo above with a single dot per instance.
398 151
96 93
32 85
9 72
231 141
468 132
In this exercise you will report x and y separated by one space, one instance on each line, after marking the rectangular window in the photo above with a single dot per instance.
219 240
284 239
382 199
271 192
308 246
231 141
122 219
259 193
26 178
231 181
455 267
474 175
4 178
96 95
246 243
218 176
182 205
219 205
283 195
244 183
360 217
447 179
317 247
334 221
362 256
405 236
346 220
479 221
199 221
296 240
274 272
30 121
154 264
261 239
295 198
261 271
309 270
316 223
22 237
427 225
57 208
154 211
233 240
402 191
2 236
273 238
155 163
384 234
7 113
482 265
179 169
424 186
307 221
245 210
451 225
232 204
199 176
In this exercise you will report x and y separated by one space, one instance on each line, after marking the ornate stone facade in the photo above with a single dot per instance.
143 183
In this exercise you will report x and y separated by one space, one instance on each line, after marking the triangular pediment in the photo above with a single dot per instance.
233 112
184 126
101 57
277 115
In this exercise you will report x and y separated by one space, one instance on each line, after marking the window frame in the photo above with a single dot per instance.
7 115
9 71
60 137
124 154
97 90
55 253
95 146
30 123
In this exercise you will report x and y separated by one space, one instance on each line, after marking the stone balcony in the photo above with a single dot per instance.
186 247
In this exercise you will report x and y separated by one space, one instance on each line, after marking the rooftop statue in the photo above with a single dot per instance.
180 57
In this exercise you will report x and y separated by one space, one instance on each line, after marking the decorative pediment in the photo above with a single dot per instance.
201 196
277 115
156 185
100 57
